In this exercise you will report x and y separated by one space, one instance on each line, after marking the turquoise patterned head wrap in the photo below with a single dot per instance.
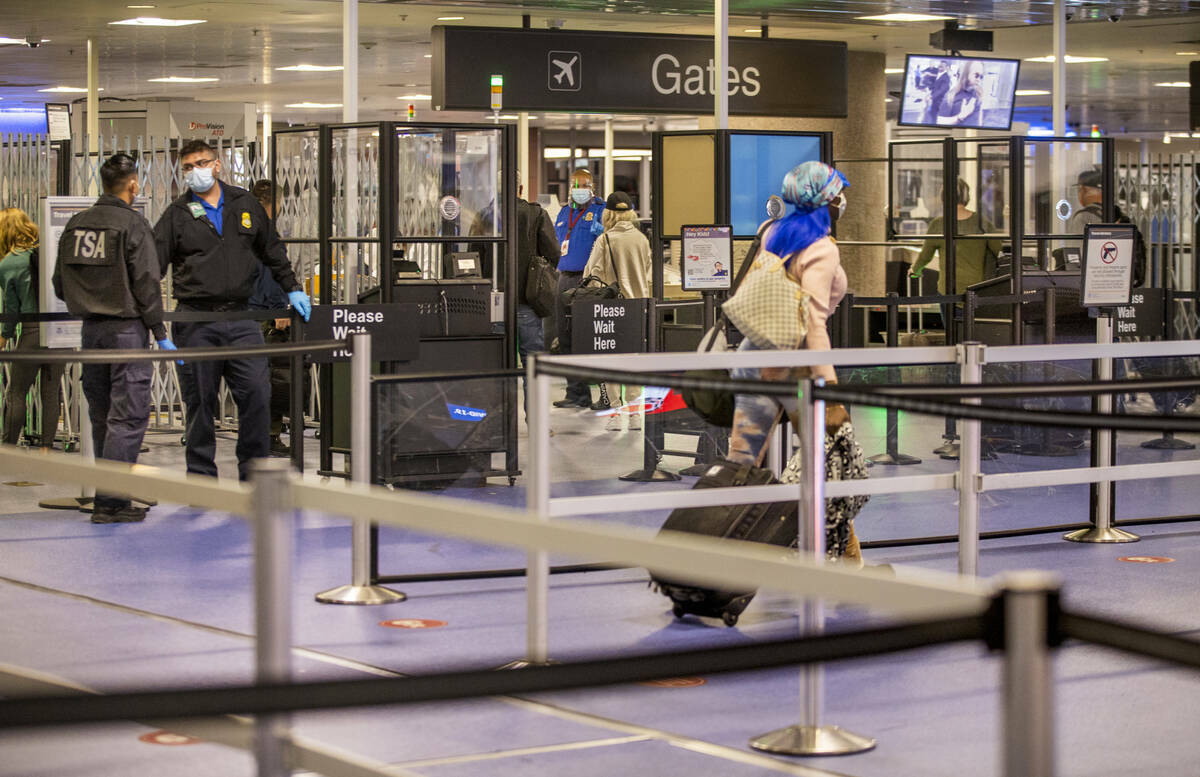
812 185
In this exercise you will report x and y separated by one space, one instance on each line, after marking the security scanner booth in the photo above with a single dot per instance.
710 178
413 231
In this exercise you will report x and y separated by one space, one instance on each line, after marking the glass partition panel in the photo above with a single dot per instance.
916 183
450 182
297 179
355 182
757 165
1063 191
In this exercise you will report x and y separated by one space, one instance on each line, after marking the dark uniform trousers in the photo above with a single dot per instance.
21 377
118 395
248 381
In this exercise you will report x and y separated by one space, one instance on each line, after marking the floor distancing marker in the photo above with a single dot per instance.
412 623
1146 559
168 738
676 682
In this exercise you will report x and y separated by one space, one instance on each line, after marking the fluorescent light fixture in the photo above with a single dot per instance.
1187 53
888 100
140 6
415 97
1176 84
19 41
69 89
1040 132
428 56
311 68
181 80
903 17
891 71
451 18
154 21
752 29
1069 59
313 105
1030 92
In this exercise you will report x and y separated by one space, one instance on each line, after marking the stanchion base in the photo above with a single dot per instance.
1096 534
695 471
522 663
66 502
950 452
360 594
899 459
1168 444
649 476
812 740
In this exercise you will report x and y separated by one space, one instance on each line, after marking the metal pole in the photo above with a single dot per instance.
892 454
86 445
1102 529
350 61
1028 678
272 607
93 116
653 434
721 63
523 161
360 590
1058 97
970 358
537 502
809 737
608 157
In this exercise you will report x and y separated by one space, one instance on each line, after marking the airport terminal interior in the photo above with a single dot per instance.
458 508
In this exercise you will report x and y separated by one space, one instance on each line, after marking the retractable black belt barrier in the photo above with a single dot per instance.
67 355
175 315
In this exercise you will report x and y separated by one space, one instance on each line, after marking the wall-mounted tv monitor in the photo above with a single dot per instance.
757 165
958 92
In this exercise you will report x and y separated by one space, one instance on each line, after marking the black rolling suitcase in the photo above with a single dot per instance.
773 523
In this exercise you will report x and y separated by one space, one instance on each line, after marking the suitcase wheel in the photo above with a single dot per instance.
730 618
678 610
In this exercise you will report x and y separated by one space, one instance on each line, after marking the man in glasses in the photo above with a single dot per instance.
214 238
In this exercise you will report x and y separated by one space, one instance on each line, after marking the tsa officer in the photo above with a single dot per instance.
108 274
577 227
214 238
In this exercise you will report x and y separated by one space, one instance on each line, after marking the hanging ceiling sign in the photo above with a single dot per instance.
619 72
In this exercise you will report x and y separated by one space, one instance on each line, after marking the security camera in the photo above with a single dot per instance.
33 43
1068 16
1116 15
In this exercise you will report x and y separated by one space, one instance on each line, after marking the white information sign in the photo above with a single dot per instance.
1107 264
707 257
56 212
58 121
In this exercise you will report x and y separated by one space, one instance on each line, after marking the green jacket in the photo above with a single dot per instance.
971 254
17 289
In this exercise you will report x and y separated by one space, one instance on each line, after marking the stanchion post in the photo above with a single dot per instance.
809 737
273 539
86 446
1028 676
970 359
360 590
653 434
892 454
537 502
1102 529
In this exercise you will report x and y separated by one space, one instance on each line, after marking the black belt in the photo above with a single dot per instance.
213 307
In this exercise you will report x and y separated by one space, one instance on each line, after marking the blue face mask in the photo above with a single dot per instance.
581 196
199 179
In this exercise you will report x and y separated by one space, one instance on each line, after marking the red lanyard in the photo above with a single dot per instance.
573 219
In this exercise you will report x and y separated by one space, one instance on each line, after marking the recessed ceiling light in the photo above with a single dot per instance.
415 97
139 6
903 17
69 89
451 18
888 100
311 68
1069 59
893 70
428 56
1187 53
313 105
752 29
180 80
154 21
1030 92
1177 84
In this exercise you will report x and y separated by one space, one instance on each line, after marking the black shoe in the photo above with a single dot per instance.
574 402
128 514
600 404
278 449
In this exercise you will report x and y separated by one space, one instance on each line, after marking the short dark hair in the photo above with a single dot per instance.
116 172
196 146
264 191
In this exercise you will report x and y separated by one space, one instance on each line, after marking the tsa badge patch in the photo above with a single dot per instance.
588 217
245 219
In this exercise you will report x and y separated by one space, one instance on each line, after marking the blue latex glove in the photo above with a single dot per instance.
166 345
597 228
300 301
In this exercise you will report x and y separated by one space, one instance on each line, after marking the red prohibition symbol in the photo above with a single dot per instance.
167 738
1108 252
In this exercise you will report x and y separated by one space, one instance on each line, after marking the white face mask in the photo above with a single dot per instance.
581 195
199 179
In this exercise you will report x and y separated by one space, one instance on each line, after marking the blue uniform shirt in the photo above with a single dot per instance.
213 212
581 236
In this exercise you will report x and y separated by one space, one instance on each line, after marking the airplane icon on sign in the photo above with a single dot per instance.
563 73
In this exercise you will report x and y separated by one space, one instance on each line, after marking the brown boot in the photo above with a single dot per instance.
853 555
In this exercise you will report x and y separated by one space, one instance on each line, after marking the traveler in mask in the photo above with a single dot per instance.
214 238
962 105
108 274
577 227
19 249
622 256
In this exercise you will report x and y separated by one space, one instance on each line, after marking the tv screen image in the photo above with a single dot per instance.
757 165
958 92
